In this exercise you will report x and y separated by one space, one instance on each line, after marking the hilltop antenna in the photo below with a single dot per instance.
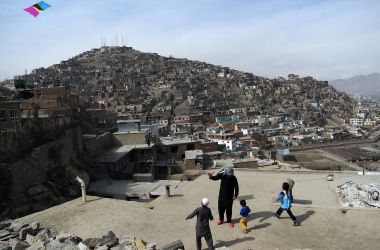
122 39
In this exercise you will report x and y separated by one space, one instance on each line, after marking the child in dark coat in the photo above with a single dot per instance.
202 228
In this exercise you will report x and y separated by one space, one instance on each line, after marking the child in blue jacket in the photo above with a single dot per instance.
286 199
244 212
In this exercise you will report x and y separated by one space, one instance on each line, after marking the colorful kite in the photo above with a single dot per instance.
37 8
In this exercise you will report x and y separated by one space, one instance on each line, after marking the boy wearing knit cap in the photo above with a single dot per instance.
202 228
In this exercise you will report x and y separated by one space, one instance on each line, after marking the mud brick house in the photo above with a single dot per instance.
175 148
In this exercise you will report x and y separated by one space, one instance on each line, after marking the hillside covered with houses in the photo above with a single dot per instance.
126 81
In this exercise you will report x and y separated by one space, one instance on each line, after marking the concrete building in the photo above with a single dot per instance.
194 159
227 139
10 115
131 125
359 122
124 162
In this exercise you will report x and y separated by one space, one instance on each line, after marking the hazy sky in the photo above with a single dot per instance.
326 39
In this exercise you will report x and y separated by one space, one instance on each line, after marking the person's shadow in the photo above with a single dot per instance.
261 215
301 218
264 215
260 226
224 243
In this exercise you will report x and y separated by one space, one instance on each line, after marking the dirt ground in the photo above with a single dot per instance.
323 225
317 160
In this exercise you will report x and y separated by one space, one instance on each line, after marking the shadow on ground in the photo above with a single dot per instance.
260 226
303 202
176 195
246 197
222 243
301 218
264 215
91 200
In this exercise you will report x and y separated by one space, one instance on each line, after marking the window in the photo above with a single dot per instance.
13 115
141 155
174 149
190 147
2 116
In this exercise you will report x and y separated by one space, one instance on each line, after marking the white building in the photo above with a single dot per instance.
357 122
227 139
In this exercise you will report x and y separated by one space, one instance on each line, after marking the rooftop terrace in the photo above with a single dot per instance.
323 224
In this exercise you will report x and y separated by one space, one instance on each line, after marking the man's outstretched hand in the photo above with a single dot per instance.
209 174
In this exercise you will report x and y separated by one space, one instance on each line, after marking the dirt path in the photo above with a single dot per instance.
340 159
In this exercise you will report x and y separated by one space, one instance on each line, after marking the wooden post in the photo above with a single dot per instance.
167 188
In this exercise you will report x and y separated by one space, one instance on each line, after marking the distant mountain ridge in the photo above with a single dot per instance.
362 84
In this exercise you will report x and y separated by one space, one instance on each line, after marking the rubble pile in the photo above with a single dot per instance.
353 194
19 236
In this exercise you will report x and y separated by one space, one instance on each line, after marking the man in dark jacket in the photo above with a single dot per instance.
228 192
202 228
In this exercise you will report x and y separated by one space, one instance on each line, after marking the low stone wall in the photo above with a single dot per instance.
330 144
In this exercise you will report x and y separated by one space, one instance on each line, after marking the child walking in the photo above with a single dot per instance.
286 198
244 212
202 228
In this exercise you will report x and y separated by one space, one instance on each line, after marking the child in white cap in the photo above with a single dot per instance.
202 228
